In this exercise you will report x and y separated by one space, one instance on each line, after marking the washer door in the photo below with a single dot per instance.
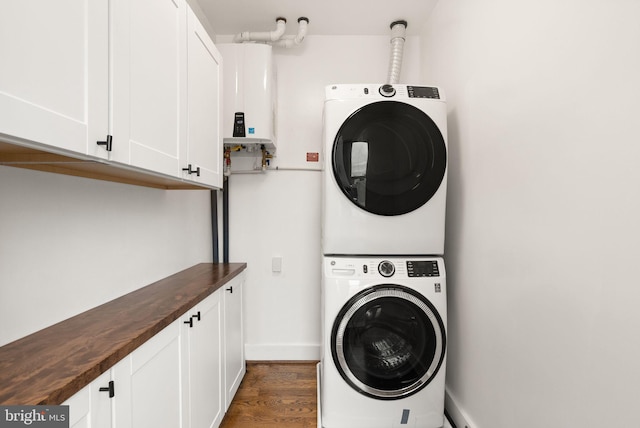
388 342
389 158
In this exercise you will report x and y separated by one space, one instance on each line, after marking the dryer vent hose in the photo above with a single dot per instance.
398 29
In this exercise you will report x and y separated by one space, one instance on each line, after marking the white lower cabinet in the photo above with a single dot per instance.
148 383
183 377
234 361
202 364
92 406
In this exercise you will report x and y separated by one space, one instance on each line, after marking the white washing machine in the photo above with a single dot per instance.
384 342
385 170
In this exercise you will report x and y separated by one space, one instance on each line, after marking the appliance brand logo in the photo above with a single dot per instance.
34 416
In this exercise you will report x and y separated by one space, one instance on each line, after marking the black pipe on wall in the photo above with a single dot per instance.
214 225
225 220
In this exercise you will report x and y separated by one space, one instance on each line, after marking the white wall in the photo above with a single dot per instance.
543 238
68 244
278 213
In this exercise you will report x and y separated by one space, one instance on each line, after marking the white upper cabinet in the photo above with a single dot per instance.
148 109
54 73
136 83
201 157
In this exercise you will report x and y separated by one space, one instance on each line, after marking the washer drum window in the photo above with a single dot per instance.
388 342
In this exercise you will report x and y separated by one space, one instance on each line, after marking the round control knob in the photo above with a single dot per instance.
387 90
386 268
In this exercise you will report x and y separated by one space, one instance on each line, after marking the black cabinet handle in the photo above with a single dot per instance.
110 389
230 289
107 144
197 316
190 322
190 170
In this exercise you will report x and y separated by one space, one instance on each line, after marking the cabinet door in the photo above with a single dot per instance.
203 150
148 383
90 407
54 73
148 109
235 366
203 354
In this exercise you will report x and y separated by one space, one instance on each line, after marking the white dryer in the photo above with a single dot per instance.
384 342
385 170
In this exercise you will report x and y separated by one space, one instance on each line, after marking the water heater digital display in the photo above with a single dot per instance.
238 125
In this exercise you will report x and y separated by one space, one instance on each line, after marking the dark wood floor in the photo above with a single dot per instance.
275 394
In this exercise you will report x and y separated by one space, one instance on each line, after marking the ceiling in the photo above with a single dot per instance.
326 17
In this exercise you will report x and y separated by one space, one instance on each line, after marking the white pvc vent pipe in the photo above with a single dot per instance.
266 36
276 37
398 29
290 41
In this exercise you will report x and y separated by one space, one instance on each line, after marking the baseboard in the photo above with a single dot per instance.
271 352
458 416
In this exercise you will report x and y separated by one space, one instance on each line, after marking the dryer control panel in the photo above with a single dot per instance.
423 92
385 91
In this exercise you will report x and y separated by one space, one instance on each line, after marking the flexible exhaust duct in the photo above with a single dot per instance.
398 29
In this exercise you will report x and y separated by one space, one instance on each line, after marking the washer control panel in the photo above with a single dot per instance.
419 268
389 267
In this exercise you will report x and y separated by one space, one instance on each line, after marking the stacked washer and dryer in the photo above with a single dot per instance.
384 303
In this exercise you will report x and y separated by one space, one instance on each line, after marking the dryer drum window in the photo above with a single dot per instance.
389 158
388 342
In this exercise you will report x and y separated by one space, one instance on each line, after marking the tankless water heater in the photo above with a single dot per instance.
249 93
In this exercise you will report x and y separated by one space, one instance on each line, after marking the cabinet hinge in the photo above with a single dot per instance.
107 144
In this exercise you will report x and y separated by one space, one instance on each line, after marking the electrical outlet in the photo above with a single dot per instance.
276 264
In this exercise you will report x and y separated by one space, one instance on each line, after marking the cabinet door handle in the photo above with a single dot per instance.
108 144
197 316
230 289
110 389
190 170
190 322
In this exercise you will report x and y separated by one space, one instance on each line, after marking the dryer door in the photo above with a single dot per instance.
389 158
388 342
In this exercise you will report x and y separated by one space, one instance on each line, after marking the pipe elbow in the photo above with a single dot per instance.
277 34
269 36
303 23
291 41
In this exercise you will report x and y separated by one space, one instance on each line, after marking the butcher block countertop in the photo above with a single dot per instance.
51 365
